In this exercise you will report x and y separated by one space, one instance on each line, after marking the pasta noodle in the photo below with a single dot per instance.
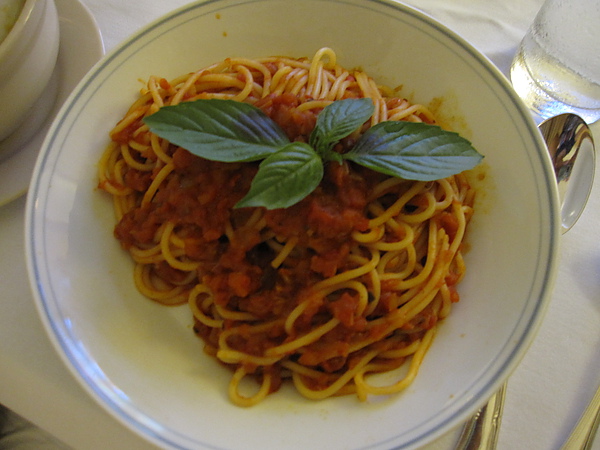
350 282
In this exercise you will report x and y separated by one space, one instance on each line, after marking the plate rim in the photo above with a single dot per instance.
32 202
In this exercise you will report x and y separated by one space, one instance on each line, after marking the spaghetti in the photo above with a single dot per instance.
349 282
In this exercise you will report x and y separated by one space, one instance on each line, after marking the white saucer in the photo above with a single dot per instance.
81 47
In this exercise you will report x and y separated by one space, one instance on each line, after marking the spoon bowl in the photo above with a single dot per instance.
571 147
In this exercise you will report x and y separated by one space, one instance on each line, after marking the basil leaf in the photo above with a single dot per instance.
413 151
219 130
284 178
338 120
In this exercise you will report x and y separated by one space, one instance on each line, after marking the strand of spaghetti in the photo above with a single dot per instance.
144 285
395 209
446 301
349 274
177 242
393 321
227 83
256 220
307 372
448 194
339 86
234 315
325 85
128 120
321 377
277 85
121 206
363 388
315 79
335 386
186 266
460 267
369 90
303 63
401 228
369 237
404 114
190 277
285 251
159 147
150 255
298 82
375 292
248 83
158 179
107 167
314 104
385 186
131 162
417 303
229 356
401 352
259 67
392 224
197 312
138 146
304 340
141 103
462 226
380 365
423 215
183 90
313 300
142 130
415 113
400 272
406 241
432 283
153 88
315 74
242 400
355 285
432 251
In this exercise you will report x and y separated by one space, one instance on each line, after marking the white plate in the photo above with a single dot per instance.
142 362
80 47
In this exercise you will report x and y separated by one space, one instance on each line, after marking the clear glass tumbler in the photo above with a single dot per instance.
557 66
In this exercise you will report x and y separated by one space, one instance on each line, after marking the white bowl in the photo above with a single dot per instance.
27 59
142 362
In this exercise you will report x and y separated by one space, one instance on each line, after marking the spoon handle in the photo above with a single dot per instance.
582 436
481 431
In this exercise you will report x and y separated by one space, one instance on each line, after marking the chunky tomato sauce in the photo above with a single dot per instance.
199 196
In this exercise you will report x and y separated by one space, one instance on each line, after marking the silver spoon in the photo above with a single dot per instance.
571 147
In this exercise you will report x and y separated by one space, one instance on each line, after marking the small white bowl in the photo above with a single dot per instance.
142 362
27 59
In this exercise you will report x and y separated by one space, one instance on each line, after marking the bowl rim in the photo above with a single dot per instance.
130 415
25 16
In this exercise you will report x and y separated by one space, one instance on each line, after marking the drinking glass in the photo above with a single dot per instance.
557 66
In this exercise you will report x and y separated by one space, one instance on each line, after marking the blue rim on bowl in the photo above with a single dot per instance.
138 360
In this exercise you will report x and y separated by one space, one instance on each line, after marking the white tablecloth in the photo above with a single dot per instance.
547 392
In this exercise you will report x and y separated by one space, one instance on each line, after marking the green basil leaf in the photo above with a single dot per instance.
413 151
284 178
338 120
219 130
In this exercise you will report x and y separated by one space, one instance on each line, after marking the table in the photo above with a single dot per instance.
547 392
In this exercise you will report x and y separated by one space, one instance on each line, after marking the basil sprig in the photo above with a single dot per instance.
230 131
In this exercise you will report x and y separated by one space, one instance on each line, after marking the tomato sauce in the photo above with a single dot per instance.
199 195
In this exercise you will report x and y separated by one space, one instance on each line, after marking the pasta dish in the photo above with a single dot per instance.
351 281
